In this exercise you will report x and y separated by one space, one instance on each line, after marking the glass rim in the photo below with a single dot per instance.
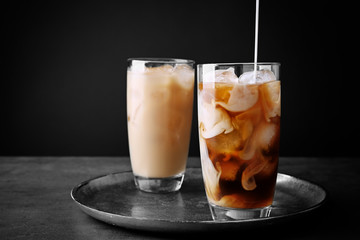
239 63
162 60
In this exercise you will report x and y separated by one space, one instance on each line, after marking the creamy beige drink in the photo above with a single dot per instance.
159 108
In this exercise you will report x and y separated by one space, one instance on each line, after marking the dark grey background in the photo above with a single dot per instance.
63 66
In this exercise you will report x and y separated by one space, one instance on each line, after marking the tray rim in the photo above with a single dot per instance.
172 222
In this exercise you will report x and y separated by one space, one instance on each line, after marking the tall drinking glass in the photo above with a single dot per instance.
159 109
239 133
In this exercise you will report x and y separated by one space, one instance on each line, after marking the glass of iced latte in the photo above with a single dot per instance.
159 110
239 133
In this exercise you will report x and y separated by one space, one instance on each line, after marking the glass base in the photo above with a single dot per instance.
227 214
159 185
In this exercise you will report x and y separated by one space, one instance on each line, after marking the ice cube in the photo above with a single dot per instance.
161 69
227 75
245 121
213 121
228 169
271 99
265 135
184 75
242 97
262 76
226 143
183 68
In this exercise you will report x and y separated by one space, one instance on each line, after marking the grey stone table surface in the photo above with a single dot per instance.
35 200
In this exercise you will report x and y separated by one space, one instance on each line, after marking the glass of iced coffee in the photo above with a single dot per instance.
159 110
239 133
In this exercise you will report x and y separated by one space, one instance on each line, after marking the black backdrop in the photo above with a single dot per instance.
63 66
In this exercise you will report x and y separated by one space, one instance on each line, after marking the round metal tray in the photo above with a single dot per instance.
114 199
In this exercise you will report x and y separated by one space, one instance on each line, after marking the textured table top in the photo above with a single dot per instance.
35 200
